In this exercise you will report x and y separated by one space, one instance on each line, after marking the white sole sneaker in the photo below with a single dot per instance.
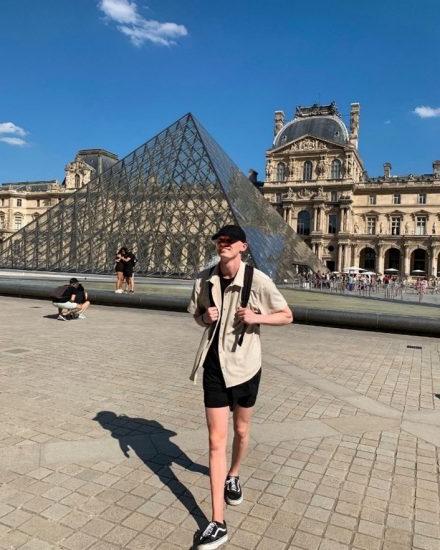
234 502
213 545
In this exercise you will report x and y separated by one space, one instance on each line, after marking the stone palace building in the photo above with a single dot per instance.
316 180
22 202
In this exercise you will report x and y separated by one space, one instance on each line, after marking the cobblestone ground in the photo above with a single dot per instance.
103 439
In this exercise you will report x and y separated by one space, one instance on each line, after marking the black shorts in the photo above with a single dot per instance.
128 273
216 394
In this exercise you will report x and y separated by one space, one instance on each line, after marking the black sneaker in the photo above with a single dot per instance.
233 492
214 536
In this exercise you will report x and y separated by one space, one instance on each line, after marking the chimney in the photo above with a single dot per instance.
253 176
436 169
279 122
354 124
387 169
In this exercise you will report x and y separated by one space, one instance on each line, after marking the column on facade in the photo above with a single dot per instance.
347 226
315 218
341 220
340 253
347 255
318 220
406 261
354 255
380 259
434 261
289 217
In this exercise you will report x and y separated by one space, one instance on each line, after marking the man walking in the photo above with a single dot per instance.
230 353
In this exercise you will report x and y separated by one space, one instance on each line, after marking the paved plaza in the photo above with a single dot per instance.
103 442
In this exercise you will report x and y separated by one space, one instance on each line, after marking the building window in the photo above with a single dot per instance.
420 225
303 227
2 220
396 198
38 203
279 197
336 169
46 202
372 199
77 181
2 202
18 221
421 198
333 196
19 202
332 223
371 226
308 169
281 172
395 225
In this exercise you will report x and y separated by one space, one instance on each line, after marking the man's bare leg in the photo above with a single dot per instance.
217 420
242 425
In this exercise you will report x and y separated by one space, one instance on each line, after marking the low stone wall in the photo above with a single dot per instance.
329 317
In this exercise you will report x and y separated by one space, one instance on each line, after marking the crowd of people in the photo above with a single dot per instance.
371 283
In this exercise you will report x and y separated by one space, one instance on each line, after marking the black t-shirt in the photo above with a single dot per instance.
212 358
129 265
80 295
67 294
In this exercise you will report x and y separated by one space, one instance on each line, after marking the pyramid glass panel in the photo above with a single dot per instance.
164 201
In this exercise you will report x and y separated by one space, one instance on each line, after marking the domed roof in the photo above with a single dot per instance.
329 128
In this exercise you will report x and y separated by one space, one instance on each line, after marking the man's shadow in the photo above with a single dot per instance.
151 443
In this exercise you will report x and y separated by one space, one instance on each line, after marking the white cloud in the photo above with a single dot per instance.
137 28
388 122
11 128
16 142
427 112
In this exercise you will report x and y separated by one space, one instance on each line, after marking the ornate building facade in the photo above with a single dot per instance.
316 179
23 202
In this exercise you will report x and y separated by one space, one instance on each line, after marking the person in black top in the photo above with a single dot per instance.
129 263
73 300
120 261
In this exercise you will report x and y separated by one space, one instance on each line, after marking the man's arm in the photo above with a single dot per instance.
277 318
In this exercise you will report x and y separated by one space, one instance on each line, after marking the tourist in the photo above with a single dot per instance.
120 261
230 354
70 300
81 298
130 261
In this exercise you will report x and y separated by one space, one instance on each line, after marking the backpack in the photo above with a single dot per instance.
58 293
245 294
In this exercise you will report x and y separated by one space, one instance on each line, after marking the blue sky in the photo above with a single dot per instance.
112 73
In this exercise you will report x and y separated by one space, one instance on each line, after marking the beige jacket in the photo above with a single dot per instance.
238 363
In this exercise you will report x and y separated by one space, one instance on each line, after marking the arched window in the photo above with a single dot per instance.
2 220
303 227
18 221
281 171
77 181
336 169
308 169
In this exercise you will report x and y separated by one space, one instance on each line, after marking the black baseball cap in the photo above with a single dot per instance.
73 281
234 232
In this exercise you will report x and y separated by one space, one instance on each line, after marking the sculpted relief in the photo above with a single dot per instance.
308 144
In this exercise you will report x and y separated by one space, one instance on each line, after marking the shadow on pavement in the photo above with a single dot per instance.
151 443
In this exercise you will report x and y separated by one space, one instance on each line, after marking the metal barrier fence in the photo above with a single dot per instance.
391 291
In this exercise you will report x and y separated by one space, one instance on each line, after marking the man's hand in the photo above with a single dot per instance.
247 316
210 316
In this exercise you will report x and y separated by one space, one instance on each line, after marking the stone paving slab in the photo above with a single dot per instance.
103 439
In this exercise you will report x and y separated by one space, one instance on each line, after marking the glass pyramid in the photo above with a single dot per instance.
164 200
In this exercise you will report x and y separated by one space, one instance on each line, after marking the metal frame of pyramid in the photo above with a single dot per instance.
164 200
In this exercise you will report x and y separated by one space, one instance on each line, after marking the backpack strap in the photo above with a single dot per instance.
245 294
211 299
